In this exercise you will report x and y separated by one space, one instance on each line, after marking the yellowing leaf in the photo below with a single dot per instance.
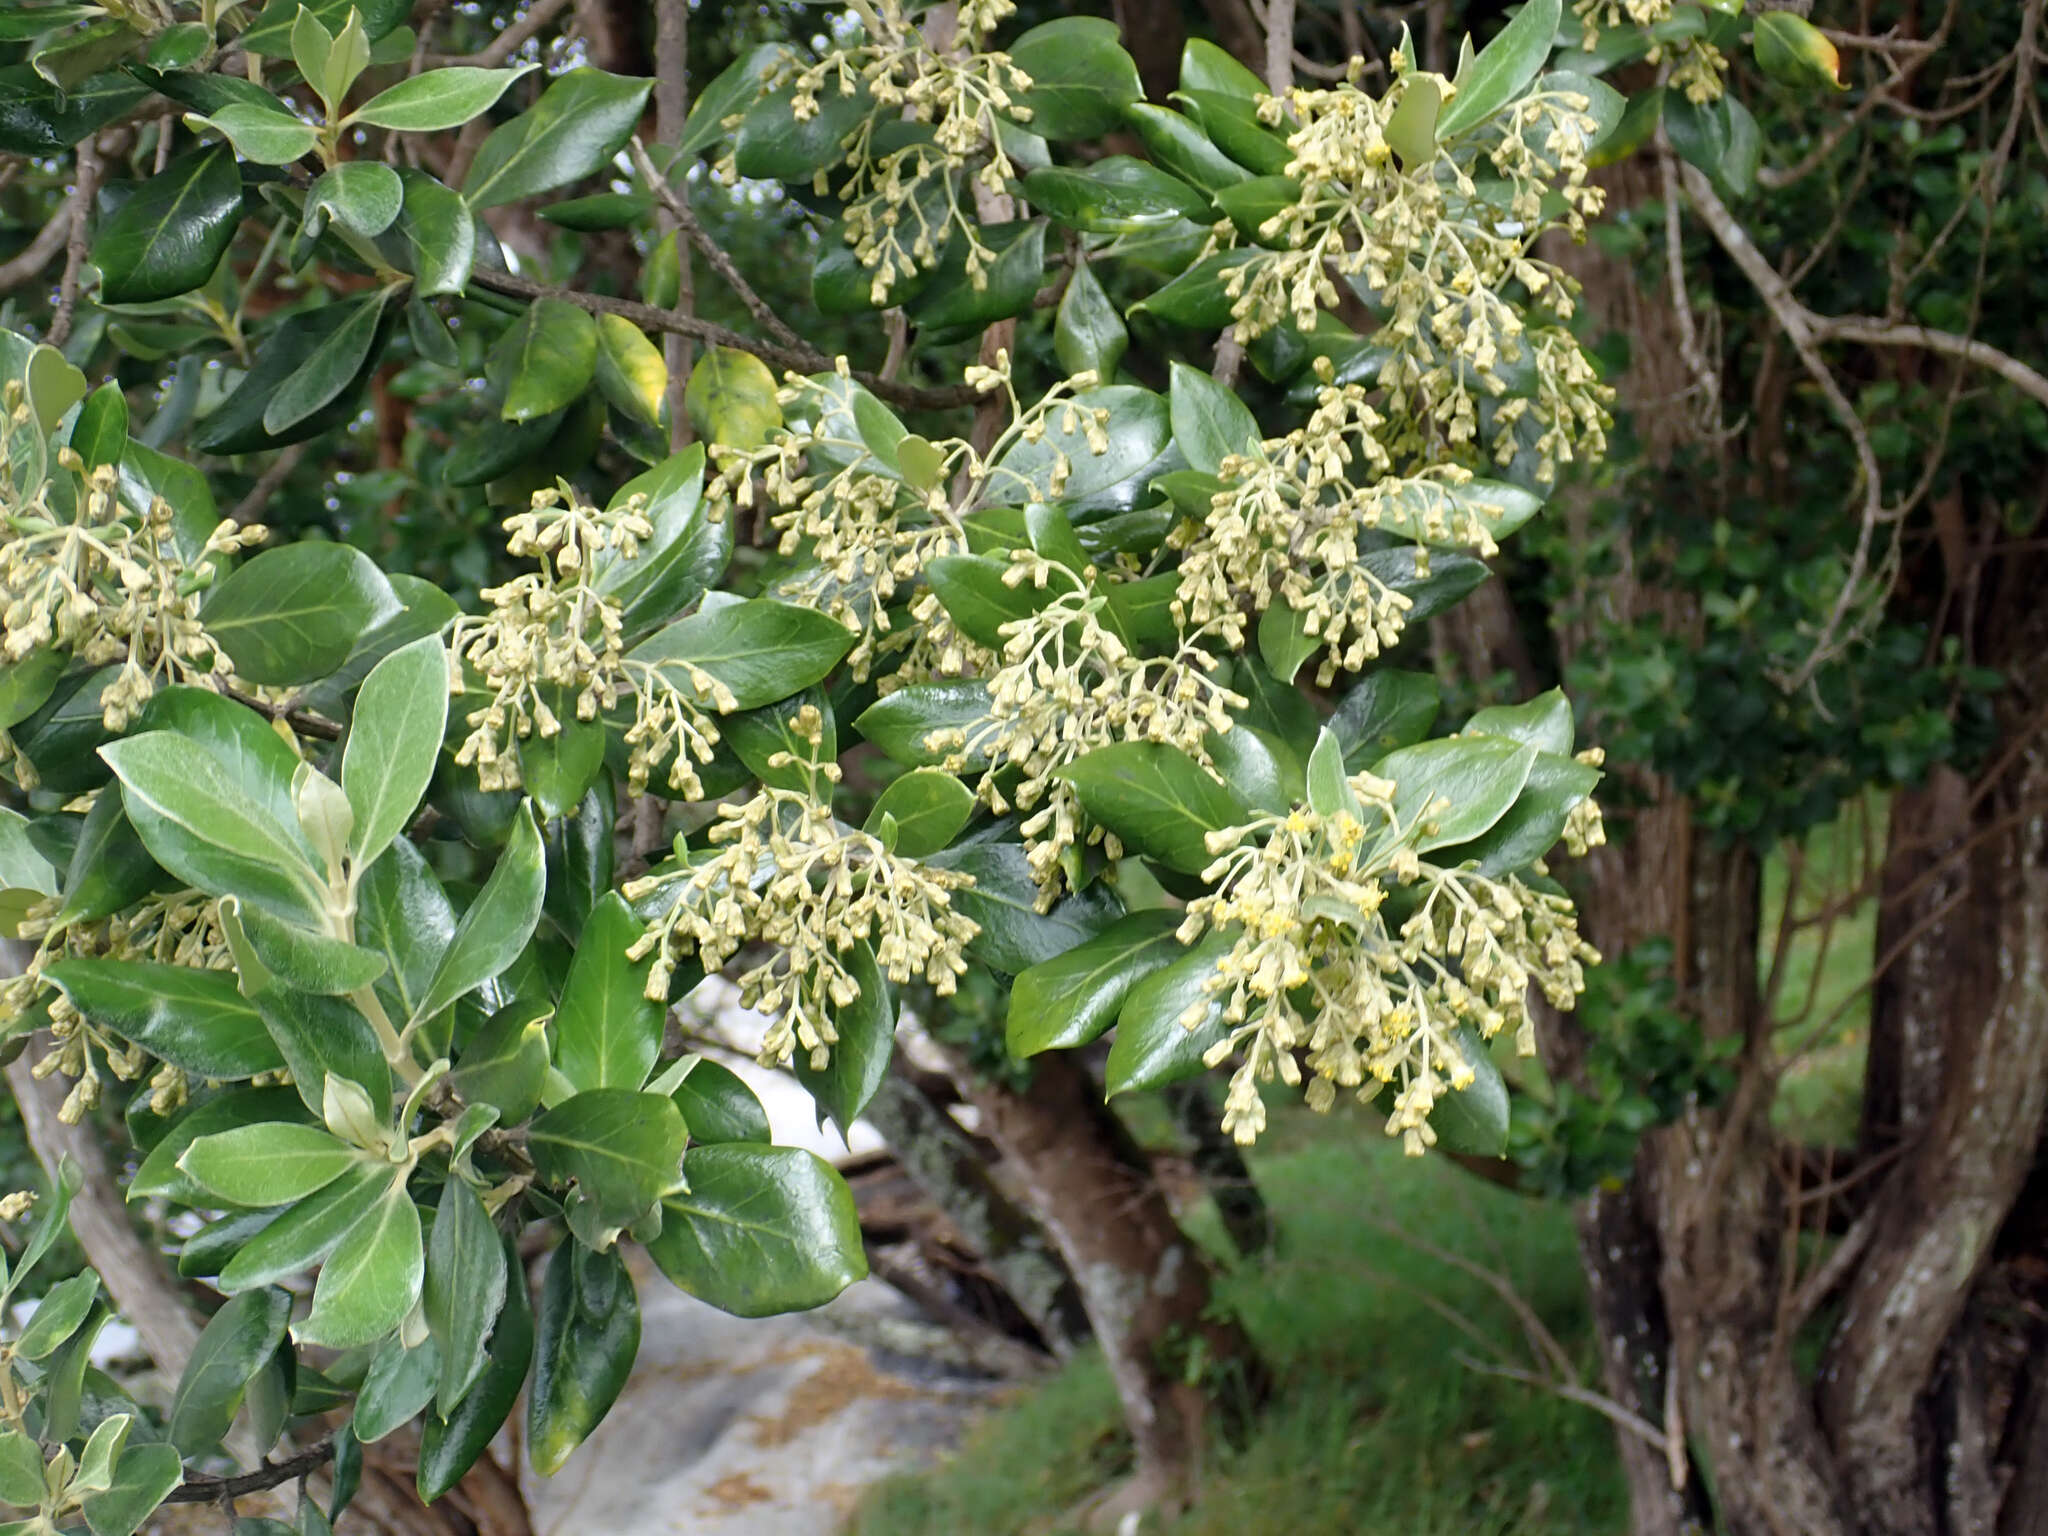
629 369
731 399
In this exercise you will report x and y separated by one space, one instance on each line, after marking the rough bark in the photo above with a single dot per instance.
1145 1285
947 1166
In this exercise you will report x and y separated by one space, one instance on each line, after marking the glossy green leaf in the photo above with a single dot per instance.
236 1343
1210 423
929 808
582 119
1154 1045
262 135
465 1288
399 1384
1196 298
620 1147
1501 70
168 237
728 95
507 1062
905 723
607 1030
333 366
497 925
1474 1119
100 435
719 1107
438 99
257 1165
371 1281
1544 722
1158 801
434 237
143 1477
1535 822
762 1230
1411 131
687 553
37 118
772 145
1474 778
1081 78
977 599
307 1233
403 914
731 398
1003 902
394 740
1390 708
195 1020
1139 429
600 211
1791 49
297 958
292 614
1232 124
322 1036
450 1446
236 425
546 361
859 1059
1088 334
159 1174
588 1338
1069 1000
58 1315
1206 67
755 652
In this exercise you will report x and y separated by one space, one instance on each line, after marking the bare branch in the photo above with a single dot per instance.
671 110
250 508
199 1488
39 252
77 246
687 222
668 323
509 41
1633 1422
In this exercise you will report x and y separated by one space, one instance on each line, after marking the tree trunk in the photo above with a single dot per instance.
1145 1285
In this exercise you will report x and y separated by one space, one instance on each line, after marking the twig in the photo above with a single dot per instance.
1627 1418
509 41
200 1488
304 721
667 322
77 245
37 254
250 507
671 110
687 222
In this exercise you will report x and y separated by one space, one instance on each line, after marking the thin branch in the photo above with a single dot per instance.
304 721
199 1488
1628 1419
77 246
671 110
39 252
686 220
250 508
667 322
509 41
1869 332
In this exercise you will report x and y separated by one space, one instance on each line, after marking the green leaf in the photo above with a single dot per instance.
607 1030
364 195
1390 708
399 1385
307 1233
292 614
582 119
1532 827
144 1477
1196 298
772 145
1252 204
1153 1046
434 239
1159 801
437 100
1206 67
1067 1001
588 1338
1139 428
54 386
1501 70
394 739
1411 131
26 685
1116 195
321 1037
58 1315
1284 640
1210 423
1088 334
308 962
731 398
265 135
371 1281
1544 722
507 1063
1081 78
687 554
1439 514
167 238
719 1107
1699 132
21 1470
1003 902
200 822
761 1231
1474 1119
929 807
730 94
236 1344
621 1147
100 435
755 652
236 425
1792 50
859 1059
497 925
195 1020
403 914
258 1165
102 1448
160 1174
37 118
465 1288
334 365
954 300
450 1446
903 723
1478 776
630 370
546 361
1233 126
977 599
1178 144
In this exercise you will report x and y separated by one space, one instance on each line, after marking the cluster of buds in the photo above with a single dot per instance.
1440 256
554 641
1317 964
1697 67
786 875
903 198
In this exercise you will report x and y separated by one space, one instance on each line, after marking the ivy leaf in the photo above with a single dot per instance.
582 119
1069 1000
1159 801
607 1030
546 361
761 1231
172 232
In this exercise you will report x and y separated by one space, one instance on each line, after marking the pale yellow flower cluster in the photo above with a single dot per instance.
1320 964
1697 67
788 876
